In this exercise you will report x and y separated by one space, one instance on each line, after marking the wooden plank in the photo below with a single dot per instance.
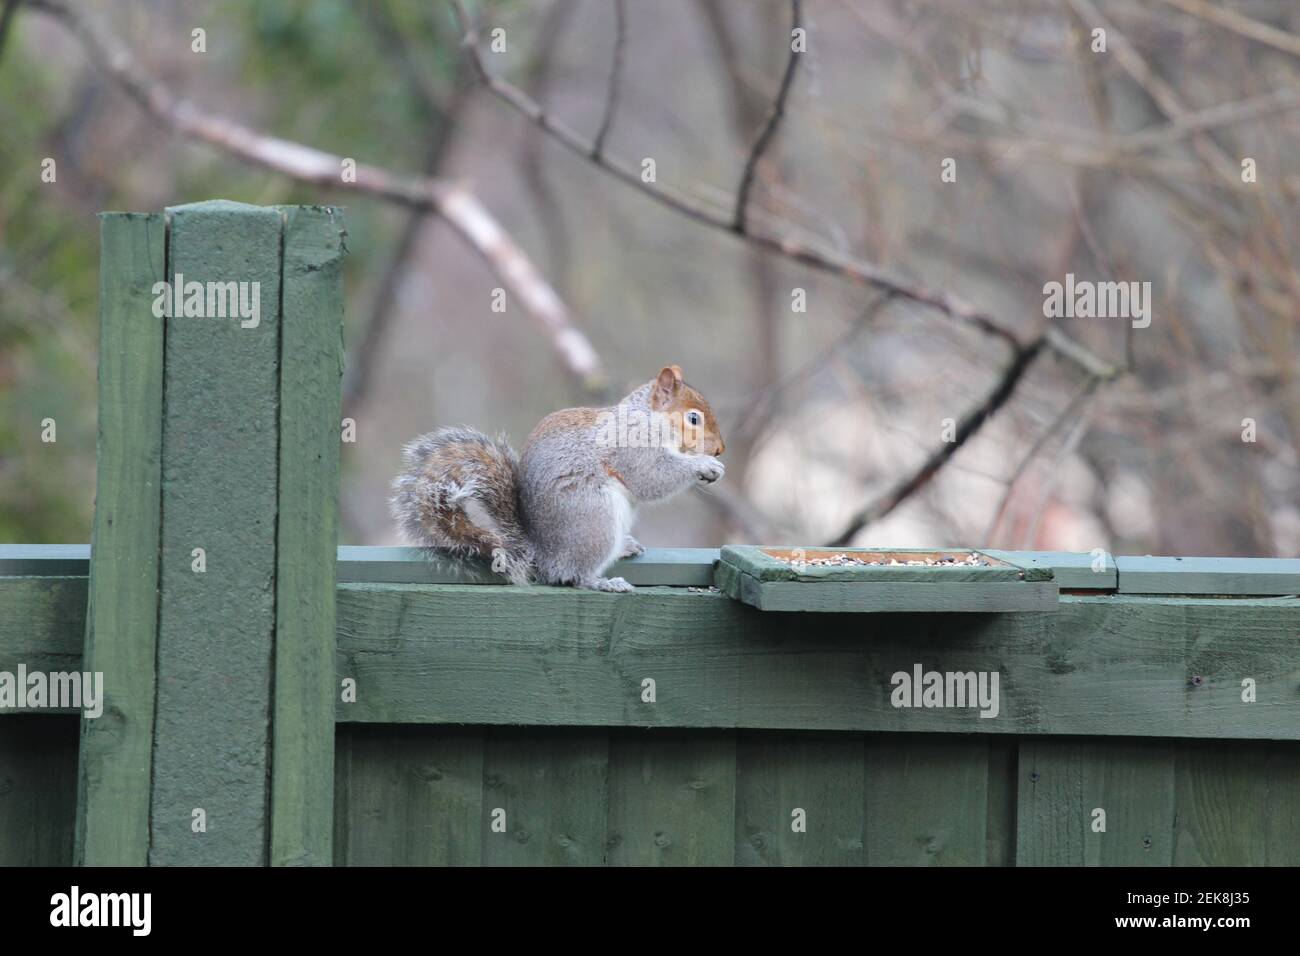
113 781
1157 575
414 797
220 438
759 562
672 799
1065 783
42 623
549 789
889 598
311 371
1000 824
1238 804
677 567
38 789
926 801
1073 570
809 781
1104 665
45 560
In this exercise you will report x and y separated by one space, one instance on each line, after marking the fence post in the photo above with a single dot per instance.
311 369
122 609
235 695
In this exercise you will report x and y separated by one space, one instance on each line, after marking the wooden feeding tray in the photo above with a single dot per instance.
865 580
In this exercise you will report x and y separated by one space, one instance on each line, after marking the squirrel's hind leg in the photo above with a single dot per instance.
578 533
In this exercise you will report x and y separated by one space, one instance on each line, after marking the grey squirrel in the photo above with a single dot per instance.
562 513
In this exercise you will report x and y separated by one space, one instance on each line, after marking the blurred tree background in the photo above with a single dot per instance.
1117 165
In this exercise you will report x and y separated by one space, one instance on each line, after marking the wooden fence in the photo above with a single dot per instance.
269 699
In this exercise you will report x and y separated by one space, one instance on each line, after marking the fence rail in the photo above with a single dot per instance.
271 698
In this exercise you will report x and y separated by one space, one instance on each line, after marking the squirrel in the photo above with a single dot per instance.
561 513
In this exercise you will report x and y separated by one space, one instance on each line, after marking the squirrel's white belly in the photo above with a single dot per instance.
620 504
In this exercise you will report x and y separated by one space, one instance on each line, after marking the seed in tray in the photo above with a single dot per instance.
845 560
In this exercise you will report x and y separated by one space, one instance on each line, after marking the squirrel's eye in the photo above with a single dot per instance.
693 418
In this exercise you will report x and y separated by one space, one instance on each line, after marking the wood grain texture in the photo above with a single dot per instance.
211 735
672 799
821 775
1101 665
1063 783
1236 804
38 789
113 782
311 370
42 624
926 801
409 796
553 787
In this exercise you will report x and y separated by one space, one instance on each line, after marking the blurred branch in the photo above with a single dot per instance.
769 127
453 202
763 408
1157 88
615 78
1085 392
786 245
1067 448
1237 23
969 426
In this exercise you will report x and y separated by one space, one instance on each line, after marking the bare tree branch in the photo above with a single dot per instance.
769 127
1237 23
1084 393
970 425
615 78
453 202
1162 94
805 252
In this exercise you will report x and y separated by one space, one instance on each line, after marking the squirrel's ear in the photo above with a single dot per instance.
666 384
669 378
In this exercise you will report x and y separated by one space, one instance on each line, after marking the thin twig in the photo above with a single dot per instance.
615 78
452 201
1084 392
1067 448
774 117
759 408
796 250
1239 24
969 426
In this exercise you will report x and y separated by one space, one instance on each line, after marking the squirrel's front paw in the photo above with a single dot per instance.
632 547
611 584
710 470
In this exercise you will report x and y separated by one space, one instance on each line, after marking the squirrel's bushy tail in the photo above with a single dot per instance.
458 494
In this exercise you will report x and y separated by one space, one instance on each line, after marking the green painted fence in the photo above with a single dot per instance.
273 700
